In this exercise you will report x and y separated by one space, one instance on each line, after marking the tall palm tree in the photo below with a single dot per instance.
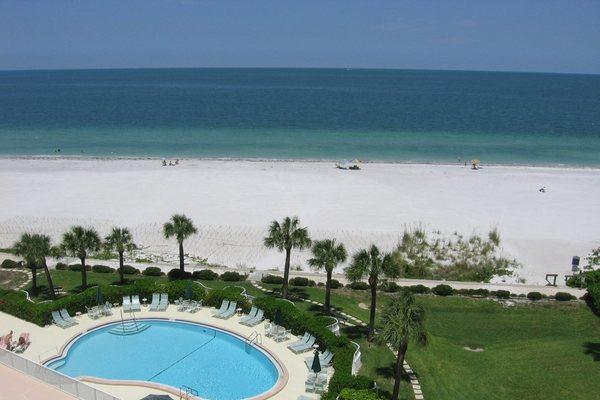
286 236
34 248
327 254
403 321
372 264
78 242
119 240
181 227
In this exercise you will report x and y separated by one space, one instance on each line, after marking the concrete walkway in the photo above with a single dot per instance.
16 385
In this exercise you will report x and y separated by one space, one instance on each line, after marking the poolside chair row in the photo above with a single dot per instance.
227 310
254 317
63 319
304 344
160 302
190 306
131 303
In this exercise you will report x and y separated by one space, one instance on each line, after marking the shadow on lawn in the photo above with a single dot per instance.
593 349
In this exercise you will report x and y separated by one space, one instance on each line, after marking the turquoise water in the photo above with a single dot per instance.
391 115
218 365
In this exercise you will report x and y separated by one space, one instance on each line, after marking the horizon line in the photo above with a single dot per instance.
298 68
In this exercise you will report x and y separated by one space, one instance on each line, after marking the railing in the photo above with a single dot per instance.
335 327
187 391
356 360
254 337
53 378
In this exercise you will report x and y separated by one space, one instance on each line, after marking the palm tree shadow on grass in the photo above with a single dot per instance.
592 349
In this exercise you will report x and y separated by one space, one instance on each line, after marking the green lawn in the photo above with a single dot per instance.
11 279
536 351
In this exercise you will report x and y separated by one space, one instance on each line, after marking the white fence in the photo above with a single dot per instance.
356 360
53 378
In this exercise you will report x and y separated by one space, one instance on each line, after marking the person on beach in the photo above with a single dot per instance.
164 163
8 340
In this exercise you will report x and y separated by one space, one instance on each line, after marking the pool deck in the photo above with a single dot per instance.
17 385
48 341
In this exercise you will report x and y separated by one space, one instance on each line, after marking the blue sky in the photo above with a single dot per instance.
526 35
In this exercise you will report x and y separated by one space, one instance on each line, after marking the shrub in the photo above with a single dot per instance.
10 264
592 297
205 275
153 271
502 294
389 287
418 289
103 269
300 322
232 276
564 296
77 267
443 290
334 284
534 296
177 274
129 270
274 279
473 292
299 281
362 394
61 266
359 285
575 281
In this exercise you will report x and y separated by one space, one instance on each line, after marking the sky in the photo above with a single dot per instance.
501 35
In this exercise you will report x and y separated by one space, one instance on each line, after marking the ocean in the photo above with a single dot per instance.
378 115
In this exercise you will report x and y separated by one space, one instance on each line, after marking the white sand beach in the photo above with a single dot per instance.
232 203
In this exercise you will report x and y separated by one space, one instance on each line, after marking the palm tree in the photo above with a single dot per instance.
327 254
372 264
403 321
286 236
181 227
119 240
34 248
78 242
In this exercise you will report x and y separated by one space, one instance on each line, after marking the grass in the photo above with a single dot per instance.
534 351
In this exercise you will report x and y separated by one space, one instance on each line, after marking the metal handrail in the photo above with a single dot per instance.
254 337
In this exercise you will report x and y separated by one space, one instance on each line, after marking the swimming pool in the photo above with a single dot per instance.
217 364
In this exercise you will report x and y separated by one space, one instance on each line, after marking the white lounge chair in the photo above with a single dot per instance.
164 302
282 335
135 303
59 321
65 315
224 307
305 346
256 320
301 341
92 312
194 306
155 302
107 310
230 311
249 316
126 303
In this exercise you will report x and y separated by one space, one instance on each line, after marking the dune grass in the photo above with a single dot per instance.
533 351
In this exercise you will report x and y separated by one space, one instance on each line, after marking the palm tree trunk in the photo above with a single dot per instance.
121 277
373 284
399 368
83 274
49 279
34 287
181 265
286 273
328 293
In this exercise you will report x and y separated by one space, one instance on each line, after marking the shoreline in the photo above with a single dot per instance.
46 157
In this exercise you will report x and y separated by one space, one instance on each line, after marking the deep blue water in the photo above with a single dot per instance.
394 115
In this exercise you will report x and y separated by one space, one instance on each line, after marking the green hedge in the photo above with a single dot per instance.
274 279
129 270
153 271
77 267
343 350
205 275
16 304
564 296
534 296
335 284
358 285
302 281
10 264
103 269
443 290
231 276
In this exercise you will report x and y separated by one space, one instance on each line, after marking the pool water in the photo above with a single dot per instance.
218 365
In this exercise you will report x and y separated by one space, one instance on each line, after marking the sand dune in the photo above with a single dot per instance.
232 203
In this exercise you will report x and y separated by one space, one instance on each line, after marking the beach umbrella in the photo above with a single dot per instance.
278 318
316 364
157 397
188 291
99 296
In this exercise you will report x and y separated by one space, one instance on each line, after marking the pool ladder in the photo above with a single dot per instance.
254 337
185 392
